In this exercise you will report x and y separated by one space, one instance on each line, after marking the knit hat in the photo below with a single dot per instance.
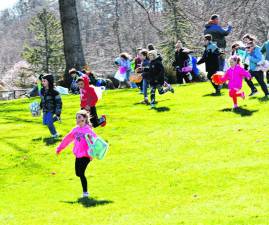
208 37
151 47
154 53
73 70
215 16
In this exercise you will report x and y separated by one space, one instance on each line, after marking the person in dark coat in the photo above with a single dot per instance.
218 33
51 104
155 75
218 36
211 60
182 59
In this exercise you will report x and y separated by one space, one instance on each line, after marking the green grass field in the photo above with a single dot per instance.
190 161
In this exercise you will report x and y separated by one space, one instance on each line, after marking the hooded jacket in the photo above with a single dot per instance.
254 58
218 33
77 135
88 96
50 98
181 59
235 77
155 73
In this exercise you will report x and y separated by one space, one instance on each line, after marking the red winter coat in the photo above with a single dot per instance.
88 96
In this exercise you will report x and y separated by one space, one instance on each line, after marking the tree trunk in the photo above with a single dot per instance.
73 51
46 41
116 27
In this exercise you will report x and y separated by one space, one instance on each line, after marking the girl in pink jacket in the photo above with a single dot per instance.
80 149
235 75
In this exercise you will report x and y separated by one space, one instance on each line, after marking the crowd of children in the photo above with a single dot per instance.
148 64
86 118
247 61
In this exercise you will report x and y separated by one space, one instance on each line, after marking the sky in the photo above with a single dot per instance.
4 4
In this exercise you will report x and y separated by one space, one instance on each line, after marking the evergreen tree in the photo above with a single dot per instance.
178 28
45 53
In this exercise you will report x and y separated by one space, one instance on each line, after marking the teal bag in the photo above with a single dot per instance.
97 146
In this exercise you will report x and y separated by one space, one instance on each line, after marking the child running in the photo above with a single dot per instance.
155 75
89 99
51 104
145 65
235 75
80 148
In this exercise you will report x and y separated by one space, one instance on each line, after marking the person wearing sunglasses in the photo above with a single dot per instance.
255 56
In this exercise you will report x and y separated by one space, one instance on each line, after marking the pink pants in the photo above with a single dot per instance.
234 93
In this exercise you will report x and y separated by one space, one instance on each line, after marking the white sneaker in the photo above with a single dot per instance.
59 120
55 135
85 195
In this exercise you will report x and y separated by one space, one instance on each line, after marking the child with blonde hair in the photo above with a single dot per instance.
81 148
235 75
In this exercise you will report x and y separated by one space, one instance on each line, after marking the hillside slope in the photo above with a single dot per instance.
191 161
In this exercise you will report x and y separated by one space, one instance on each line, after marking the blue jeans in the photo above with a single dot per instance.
48 120
145 88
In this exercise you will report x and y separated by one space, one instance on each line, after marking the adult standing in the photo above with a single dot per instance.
211 60
218 35
255 56
265 50
245 60
182 60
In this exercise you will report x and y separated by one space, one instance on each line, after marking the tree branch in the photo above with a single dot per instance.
149 19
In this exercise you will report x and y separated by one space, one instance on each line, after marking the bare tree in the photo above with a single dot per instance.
73 51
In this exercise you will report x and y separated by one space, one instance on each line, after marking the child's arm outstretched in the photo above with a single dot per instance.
225 77
65 142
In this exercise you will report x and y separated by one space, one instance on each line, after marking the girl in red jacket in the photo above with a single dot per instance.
88 100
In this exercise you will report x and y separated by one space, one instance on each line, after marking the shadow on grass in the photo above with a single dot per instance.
89 202
263 99
11 110
212 95
50 140
260 99
141 103
37 139
162 109
11 119
240 111
253 98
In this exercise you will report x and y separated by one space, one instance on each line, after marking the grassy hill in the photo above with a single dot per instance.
190 161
